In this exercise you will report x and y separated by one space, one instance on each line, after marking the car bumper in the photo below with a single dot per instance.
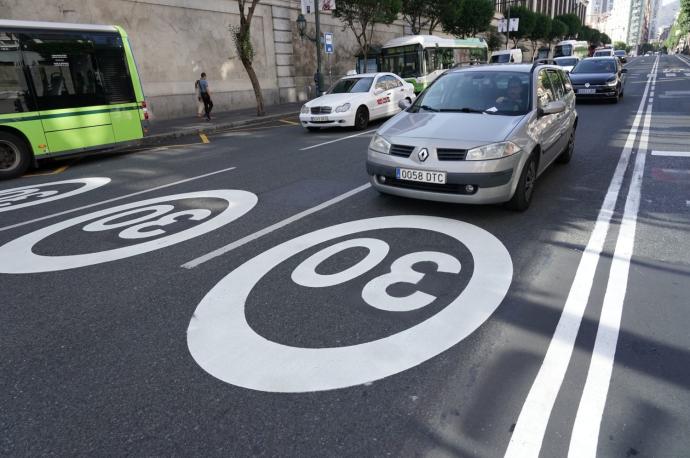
600 92
494 184
346 119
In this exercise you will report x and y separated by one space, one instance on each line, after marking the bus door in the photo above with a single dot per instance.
69 90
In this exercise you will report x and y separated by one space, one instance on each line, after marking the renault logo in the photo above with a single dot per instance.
586 84
423 154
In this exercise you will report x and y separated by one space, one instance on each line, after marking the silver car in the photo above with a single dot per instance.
477 135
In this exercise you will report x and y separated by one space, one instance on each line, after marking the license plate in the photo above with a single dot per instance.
423 176
586 91
319 118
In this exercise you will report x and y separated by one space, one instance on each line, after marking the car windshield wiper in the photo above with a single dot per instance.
461 110
428 108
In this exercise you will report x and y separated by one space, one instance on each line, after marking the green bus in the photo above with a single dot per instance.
65 89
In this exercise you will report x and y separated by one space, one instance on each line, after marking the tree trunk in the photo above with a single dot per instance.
260 111
365 51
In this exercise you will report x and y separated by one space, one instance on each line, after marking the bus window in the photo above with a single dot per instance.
14 92
63 70
403 61
563 50
110 57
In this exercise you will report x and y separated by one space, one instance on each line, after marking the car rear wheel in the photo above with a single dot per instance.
15 157
525 188
361 118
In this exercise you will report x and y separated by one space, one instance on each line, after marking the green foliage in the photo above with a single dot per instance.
493 39
528 20
361 16
559 29
464 18
572 22
620 45
542 28
423 15
605 39
243 42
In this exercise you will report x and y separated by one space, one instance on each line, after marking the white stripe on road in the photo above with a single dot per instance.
339 140
585 437
528 434
84 207
251 237
671 153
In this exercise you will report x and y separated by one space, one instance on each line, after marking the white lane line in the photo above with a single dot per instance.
267 230
585 437
102 202
671 153
339 139
528 434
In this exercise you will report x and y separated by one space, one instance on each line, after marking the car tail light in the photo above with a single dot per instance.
146 110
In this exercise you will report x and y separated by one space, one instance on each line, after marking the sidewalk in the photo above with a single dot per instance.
191 125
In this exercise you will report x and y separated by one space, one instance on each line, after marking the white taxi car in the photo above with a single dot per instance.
355 100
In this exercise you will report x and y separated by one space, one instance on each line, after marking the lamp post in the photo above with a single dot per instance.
302 28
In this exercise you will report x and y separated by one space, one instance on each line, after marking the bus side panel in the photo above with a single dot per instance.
69 129
126 122
32 130
131 63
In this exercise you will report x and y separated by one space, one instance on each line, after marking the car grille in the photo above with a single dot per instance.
321 110
401 150
448 188
448 154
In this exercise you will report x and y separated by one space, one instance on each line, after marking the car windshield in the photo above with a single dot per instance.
481 91
619 53
566 62
352 85
595 66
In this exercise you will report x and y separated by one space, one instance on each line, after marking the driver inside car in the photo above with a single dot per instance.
515 99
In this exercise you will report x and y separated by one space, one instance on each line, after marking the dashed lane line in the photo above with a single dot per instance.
671 153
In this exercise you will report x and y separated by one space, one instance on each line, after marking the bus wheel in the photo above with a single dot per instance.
15 158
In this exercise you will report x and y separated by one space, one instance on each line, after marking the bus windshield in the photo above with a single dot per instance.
403 61
500 59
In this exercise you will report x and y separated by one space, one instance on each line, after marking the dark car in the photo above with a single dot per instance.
599 77
620 53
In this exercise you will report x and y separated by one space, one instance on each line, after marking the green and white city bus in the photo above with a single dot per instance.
420 59
65 89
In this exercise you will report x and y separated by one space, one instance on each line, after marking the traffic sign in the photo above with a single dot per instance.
328 42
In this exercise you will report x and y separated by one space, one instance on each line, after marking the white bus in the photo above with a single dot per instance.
571 48
420 59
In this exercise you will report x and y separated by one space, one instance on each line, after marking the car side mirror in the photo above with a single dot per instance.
555 107
625 70
378 91
404 104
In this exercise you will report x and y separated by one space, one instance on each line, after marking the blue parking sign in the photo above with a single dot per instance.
328 42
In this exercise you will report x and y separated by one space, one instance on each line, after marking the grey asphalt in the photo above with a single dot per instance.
95 359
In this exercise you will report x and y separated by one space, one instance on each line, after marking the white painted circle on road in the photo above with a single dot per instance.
223 344
12 199
17 256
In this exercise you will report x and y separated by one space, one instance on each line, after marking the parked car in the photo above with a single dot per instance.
603 52
567 63
477 135
599 77
620 53
357 99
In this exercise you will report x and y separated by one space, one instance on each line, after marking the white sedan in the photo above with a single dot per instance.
355 100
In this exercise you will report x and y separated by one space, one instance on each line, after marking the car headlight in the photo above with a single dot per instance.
342 108
612 82
380 145
304 110
493 151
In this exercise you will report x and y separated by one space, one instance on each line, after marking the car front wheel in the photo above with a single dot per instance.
361 118
525 188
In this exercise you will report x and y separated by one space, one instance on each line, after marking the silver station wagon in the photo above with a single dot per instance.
479 135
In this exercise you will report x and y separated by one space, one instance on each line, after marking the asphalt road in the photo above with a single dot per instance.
269 318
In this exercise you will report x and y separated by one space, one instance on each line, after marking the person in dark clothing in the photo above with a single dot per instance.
205 94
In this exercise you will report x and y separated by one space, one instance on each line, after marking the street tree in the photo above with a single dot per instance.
526 23
361 16
572 22
243 44
558 31
493 39
605 39
620 45
540 31
466 18
422 15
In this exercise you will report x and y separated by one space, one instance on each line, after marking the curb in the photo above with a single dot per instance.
214 128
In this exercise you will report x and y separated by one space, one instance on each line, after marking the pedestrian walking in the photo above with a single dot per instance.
199 101
205 96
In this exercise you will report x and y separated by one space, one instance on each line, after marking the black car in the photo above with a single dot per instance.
599 77
620 53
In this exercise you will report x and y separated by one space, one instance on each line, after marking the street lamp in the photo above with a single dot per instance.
302 28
